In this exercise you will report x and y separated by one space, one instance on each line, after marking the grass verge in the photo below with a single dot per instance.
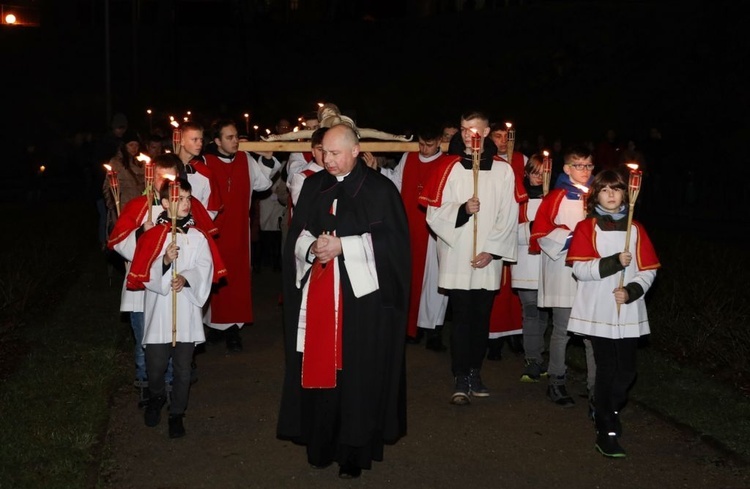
54 407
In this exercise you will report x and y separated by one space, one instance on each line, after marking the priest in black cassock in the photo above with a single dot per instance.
346 291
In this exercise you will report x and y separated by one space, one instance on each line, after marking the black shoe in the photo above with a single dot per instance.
152 414
176 428
558 394
349 471
234 342
515 343
607 445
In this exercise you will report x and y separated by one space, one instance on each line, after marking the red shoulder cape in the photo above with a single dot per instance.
149 249
583 245
432 193
544 222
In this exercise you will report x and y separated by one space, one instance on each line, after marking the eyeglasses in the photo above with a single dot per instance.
581 167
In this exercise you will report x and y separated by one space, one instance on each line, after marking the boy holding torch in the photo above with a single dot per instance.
174 262
613 316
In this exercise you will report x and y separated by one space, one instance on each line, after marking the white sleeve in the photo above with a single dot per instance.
303 259
396 174
294 165
199 276
553 244
587 271
359 260
295 186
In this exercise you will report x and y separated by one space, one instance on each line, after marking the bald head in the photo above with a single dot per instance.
340 149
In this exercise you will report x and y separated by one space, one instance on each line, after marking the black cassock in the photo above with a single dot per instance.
367 408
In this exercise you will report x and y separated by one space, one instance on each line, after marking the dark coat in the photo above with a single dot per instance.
371 385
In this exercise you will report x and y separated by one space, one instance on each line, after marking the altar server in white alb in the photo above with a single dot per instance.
611 315
161 266
472 281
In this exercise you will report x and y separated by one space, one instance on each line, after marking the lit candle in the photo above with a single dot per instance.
150 121
114 186
546 171
247 123
476 141
511 140
584 197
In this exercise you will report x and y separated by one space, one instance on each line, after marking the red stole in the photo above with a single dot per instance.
231 302
322 356
149 249
415 177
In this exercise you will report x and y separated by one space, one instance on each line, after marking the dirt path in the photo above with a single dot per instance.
513 439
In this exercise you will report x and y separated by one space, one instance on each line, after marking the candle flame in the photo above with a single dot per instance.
247 115
169 177
148 111
320 104
185 119
296 129
189 113
168 151
268 131
632 166
545 153
171 118
255 127
143 158
582 188
175 124
42 168
107 167
508 125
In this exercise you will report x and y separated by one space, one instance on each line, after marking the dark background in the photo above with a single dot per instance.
555 68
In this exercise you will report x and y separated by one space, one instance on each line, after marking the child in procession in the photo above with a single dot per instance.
613 316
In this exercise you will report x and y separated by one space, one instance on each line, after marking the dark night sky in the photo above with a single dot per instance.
558 68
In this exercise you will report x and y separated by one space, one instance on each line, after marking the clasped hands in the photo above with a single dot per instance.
621 293
326 247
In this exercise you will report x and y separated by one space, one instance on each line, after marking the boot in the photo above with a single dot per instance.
558 393
152 414
176 428
434 340
234 342
476 386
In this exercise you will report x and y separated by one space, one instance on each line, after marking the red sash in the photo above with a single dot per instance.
322 356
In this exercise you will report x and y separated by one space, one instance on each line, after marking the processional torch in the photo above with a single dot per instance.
634 188
114 186
511 141
148 168
546 172
176 136
174 199
476 153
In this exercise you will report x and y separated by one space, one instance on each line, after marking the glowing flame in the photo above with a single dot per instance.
148 111
143 158
508 125
175 124
185 119
42 168
268 131
169 177
582 188
255 127
632 166
545 153
107 167
189 113
247 115
320 105
171 118
296 129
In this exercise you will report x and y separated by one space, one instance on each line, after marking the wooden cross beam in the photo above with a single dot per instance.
303 146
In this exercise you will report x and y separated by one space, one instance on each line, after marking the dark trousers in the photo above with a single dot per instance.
471 328
157 359
615 373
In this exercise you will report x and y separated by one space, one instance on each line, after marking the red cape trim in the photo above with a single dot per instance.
432 193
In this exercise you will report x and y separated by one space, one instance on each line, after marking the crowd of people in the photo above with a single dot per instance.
375 253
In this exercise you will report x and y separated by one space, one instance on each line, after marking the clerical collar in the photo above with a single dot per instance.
428 159
341 178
